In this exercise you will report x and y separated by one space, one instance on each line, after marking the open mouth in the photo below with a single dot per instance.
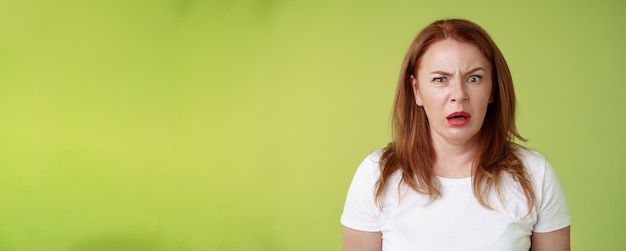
458 116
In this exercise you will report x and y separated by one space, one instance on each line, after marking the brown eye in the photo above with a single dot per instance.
438 80
474 79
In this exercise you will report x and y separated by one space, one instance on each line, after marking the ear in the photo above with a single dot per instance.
416 91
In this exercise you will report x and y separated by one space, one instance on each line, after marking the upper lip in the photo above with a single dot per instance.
458 114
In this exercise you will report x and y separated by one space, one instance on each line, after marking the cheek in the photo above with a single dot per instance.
481 102
435 99
433 104
483 95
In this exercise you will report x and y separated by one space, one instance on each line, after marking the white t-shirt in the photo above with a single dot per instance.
456 221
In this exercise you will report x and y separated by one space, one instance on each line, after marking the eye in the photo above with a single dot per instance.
439 79
474 79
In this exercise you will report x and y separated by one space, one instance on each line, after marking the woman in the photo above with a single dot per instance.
453 178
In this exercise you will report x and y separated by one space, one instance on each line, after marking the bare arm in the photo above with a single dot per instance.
551 241
355 240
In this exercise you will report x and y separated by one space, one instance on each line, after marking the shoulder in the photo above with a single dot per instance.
552 211
370 166
534 162
360 210
375 156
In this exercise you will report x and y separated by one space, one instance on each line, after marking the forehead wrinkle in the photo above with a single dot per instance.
455 68
453 61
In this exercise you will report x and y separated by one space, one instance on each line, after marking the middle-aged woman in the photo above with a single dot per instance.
452 178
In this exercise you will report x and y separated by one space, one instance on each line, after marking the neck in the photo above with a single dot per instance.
454 160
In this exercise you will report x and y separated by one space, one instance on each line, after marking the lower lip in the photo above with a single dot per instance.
459 122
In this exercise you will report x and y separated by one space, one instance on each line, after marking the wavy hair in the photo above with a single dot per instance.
411 150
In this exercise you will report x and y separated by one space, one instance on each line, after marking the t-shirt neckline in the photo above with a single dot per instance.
455 181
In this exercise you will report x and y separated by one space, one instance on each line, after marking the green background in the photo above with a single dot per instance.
237 125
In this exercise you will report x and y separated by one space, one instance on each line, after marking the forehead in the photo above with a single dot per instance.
452 55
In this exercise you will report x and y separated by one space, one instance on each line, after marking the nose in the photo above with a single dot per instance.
458 92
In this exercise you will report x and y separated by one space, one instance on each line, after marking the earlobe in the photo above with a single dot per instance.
416 92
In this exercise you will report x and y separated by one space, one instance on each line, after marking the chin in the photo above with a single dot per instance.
461 138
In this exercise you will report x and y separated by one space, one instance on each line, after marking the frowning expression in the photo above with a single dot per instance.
454 86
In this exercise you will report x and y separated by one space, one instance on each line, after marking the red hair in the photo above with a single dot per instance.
411 151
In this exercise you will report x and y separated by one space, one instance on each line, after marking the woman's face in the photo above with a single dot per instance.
454 86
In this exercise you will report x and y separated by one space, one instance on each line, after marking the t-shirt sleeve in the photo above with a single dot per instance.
360 211
553 212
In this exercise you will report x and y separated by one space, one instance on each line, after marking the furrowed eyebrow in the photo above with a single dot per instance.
475 70
441 73
450 74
